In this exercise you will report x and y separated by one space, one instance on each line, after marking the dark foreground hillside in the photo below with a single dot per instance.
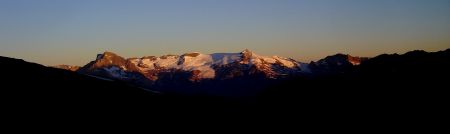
35 91
32 88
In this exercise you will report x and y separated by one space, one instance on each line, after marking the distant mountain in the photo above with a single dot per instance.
193 71
199 66
67 67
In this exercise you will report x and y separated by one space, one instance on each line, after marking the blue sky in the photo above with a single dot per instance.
73 31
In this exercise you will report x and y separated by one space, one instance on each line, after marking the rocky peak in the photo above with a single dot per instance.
107 55
112 58
246 55
107 59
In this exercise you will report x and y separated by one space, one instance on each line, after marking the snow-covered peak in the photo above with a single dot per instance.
195 59
249 57
189 62
225 58
290 63
199 62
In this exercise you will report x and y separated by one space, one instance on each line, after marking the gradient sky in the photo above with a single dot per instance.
73 31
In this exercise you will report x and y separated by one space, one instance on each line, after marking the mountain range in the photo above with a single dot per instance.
221 74
408 87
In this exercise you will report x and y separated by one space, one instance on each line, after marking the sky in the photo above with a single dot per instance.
52 32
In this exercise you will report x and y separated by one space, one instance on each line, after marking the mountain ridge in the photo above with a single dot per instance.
218 58
226 73
203 64
221 71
